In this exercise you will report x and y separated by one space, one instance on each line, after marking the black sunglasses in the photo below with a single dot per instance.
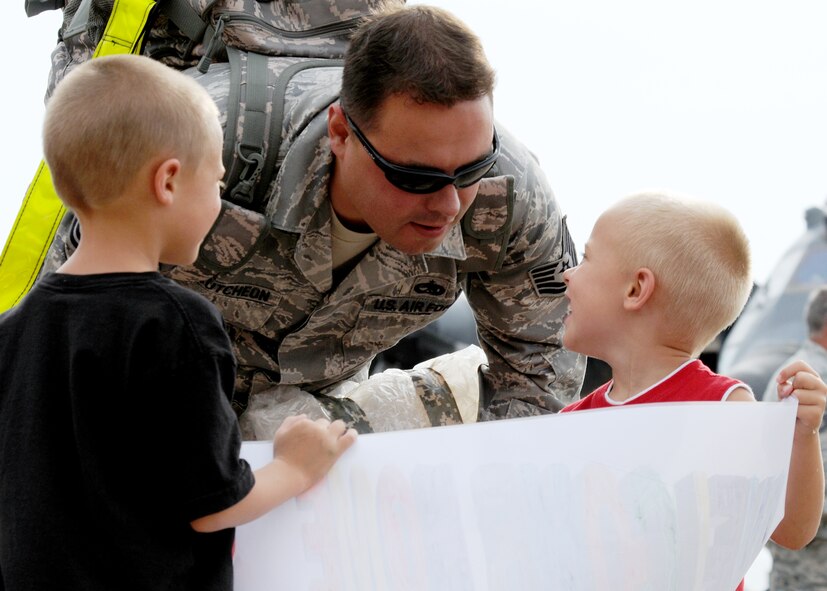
426 180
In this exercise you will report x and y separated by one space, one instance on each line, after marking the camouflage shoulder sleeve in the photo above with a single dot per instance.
520 307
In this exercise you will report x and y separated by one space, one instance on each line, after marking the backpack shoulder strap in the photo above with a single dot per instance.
251 159
126 27
278 115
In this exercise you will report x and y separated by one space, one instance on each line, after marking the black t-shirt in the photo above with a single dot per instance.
115 432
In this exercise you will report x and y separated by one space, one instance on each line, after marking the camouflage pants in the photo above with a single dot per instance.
802 570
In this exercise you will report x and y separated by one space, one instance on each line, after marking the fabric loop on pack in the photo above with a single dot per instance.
213 44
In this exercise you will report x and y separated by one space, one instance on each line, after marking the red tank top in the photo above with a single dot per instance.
691 382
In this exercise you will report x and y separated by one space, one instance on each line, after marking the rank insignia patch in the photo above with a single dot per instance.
548 277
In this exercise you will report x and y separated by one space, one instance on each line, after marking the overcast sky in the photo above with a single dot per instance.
720 99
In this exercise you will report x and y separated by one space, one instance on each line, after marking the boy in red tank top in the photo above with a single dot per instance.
661 276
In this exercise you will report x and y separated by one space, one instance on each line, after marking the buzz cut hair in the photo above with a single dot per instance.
112 115
699 255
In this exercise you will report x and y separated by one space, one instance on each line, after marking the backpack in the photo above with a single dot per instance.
260 45
270 65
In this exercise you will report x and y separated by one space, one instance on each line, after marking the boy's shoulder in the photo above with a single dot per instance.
200 314
184 295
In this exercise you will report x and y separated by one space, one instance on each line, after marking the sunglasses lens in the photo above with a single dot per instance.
415 183
473 176
425 183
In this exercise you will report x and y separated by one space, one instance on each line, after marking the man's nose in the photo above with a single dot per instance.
445 201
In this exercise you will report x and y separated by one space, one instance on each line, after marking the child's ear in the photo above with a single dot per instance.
165 180
640 289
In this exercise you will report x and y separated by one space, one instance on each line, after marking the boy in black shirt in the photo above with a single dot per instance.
119 452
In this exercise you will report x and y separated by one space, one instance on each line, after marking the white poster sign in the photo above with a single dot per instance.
659 497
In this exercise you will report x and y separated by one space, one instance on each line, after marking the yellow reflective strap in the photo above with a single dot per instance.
29 239
41 211
125 30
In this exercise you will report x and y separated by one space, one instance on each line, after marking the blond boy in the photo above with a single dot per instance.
119 451
660 277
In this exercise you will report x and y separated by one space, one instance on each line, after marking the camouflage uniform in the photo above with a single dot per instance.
267 265
803 570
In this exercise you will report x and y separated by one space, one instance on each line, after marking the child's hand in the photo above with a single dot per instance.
311 447
802 381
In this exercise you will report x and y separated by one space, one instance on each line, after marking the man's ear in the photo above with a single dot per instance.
640 289
165 180
338 129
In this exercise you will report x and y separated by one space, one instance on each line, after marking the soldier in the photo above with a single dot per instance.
804 569
387 206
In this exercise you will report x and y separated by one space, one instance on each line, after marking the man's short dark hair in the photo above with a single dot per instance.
419 51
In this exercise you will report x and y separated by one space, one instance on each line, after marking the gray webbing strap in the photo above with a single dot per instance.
187 19
80 21
250 148
250 175
233 108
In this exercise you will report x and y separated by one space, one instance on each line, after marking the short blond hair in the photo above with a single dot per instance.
112 115
699 255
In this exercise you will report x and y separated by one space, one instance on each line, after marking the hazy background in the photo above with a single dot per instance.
721 99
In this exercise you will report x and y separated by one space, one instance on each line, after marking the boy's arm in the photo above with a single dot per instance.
805 484
304 451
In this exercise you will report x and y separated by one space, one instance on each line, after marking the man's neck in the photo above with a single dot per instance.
348 244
